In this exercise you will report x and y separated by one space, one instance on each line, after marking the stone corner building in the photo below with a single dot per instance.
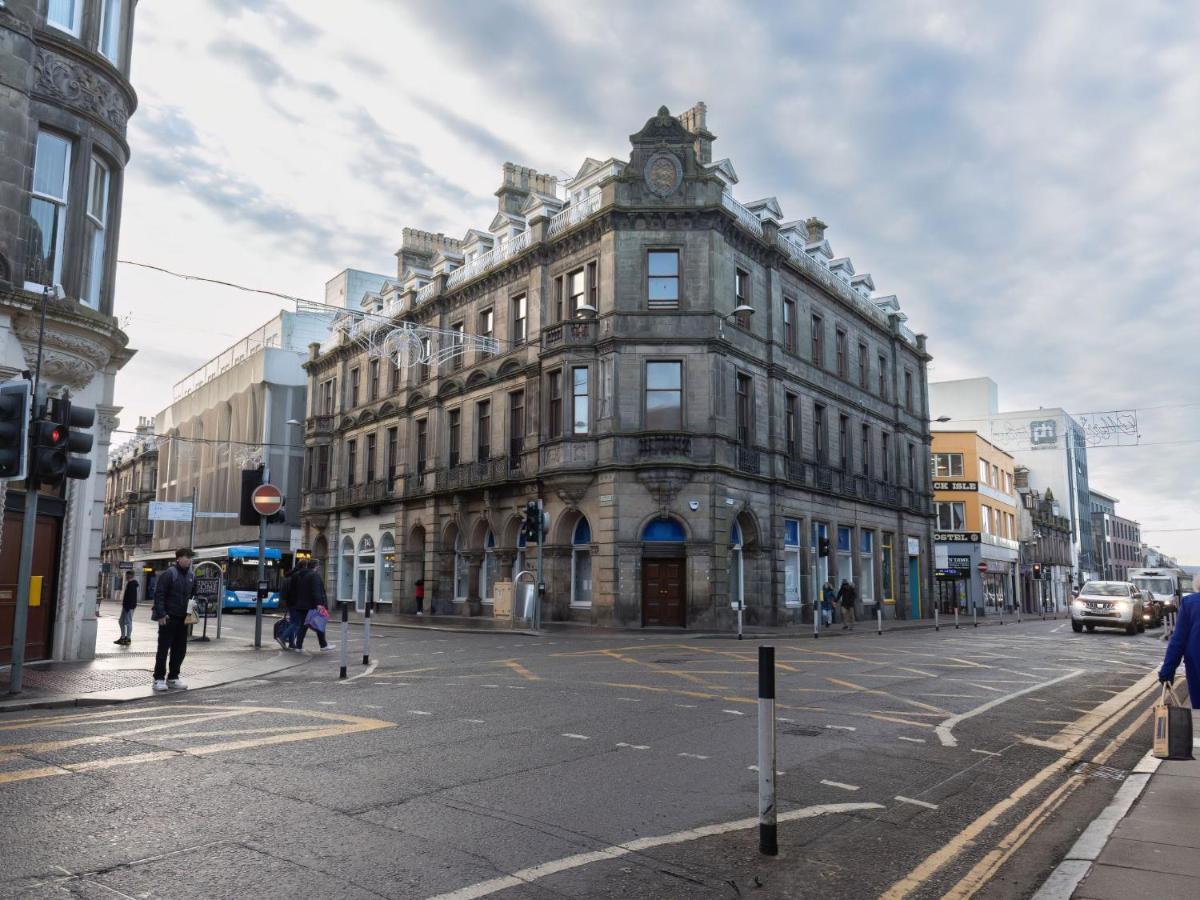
65 99
688 456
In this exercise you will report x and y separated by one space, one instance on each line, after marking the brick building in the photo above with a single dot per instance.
1118 540
702 394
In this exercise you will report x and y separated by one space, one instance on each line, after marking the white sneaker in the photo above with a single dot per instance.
419 613
160 684
177 684
327 648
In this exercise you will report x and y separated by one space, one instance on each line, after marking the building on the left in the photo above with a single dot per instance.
65 99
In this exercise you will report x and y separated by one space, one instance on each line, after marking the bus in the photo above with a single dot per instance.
1165 584
240 565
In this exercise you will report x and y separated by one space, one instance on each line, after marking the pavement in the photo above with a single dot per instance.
1145 843
123 673
914 764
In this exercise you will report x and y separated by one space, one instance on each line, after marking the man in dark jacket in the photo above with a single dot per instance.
176 586
1185 645
128 605
307 592
846 596
286 636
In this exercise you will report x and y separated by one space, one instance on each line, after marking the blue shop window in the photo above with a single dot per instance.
867 542
791 533
583 532
664 530
843 540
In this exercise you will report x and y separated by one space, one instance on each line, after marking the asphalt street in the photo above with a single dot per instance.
920 764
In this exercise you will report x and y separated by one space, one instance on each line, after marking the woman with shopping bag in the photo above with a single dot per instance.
1173 724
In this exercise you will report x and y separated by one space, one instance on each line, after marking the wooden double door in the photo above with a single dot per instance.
664 591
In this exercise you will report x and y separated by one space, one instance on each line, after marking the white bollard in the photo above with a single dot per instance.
768 841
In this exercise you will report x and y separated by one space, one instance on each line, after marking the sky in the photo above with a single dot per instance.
1021 175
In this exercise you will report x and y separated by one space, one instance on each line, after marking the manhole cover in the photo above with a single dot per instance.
1092 770
803 731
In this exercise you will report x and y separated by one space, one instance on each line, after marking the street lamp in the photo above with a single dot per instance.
585 311
741 310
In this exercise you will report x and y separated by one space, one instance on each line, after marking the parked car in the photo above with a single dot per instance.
1109 604
1153 609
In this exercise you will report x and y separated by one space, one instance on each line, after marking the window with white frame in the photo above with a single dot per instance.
110 30
581 564
65 15
97 224
387 567
48 210
983 471
366 573
579 400
791 562
662 282
947 465
845 551
346 572
951 516
985 515
866 567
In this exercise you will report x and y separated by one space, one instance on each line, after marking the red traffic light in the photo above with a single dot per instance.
56 435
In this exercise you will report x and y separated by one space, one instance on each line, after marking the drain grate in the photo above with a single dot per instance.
1092 770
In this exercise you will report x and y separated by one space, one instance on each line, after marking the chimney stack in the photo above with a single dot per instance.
816 229
695 120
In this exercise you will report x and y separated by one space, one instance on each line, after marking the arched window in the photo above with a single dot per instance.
487 572
736 568
346 570
461 571
664 531
519 558
366 573
581 564
387 566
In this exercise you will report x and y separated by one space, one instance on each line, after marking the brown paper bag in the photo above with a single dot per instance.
1172 728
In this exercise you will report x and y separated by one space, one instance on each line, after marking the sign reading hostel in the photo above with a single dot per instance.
956 485
956 537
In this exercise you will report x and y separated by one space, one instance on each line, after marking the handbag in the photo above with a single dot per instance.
193 613
1172 728
315 620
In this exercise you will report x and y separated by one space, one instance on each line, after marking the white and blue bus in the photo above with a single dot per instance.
240 565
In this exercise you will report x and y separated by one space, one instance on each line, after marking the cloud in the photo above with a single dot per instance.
282 19
265 69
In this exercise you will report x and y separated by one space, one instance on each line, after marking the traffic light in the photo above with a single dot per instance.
823 546
1037 571
251 478
16 398
75 420
48 452
532 525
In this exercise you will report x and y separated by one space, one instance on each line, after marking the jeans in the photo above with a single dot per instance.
301 629
848 616
126 623
172 640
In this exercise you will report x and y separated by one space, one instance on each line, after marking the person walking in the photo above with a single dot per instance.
286 636
175 587
827 597
308 593
846 596
1185 645
419 595
128 605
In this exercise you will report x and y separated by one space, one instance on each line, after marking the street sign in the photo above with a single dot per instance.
266 500
125 564
982 567
216 515
163 511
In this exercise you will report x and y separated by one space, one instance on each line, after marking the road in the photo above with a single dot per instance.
958 763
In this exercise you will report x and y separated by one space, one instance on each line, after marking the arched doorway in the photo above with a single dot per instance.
737 569
462 571
366 573
664 578
581 564
387 568
488 571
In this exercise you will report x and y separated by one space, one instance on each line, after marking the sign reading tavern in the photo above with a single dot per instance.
956 485
956 537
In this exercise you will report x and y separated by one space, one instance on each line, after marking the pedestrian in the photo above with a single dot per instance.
128 605
1185 645
307 593
827 597
175 587
846 596
286 636
419 595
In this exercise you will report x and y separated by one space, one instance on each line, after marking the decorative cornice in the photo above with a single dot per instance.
81 87
78 341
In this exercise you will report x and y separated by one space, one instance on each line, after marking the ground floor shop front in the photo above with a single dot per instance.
676 548
974 575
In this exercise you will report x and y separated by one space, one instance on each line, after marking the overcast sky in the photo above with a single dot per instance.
1022 175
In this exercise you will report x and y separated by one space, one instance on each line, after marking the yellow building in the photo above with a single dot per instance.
975 539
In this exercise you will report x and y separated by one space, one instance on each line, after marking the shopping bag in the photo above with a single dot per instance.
315 621
1172 728
281 625
193 613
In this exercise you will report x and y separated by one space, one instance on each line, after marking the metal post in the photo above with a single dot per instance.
768 843
262 577
975 615
936 625
817 613
367 632
739 614
541 577
956 617
879 616
345 633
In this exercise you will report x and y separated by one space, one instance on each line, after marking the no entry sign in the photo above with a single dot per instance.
982 567
266 500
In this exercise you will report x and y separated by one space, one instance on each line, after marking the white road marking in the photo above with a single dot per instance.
985 752
782 719
577 737
755 769
630 699
944 730
578 860
634 746
490 685
686 705
733 712
916 802
841 727
911 740
691 756
327 702
370 706
475 721
839 784
419 712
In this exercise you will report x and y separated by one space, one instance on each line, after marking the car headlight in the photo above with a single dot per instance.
1124 606
1078 604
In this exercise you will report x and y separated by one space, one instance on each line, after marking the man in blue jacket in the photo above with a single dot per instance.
1185 645
176 586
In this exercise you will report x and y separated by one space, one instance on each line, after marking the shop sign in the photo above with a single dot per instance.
950 573
959 562
957 537
914 547
956 485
